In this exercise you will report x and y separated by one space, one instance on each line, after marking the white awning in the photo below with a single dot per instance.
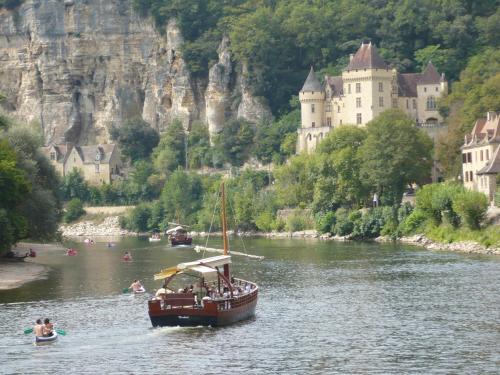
212 262
178 228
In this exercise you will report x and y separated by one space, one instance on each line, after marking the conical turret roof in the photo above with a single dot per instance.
367 57
312 83
430 75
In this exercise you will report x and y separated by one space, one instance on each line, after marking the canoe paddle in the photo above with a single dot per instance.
59 331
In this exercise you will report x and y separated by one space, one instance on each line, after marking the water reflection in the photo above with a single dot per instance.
324 308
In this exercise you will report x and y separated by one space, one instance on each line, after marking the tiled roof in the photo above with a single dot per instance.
484 130
367 57
336 84
88 153
430 75
493 165
407 84
312 83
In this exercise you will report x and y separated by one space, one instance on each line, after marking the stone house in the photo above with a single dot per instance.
481 156
366 88
98 164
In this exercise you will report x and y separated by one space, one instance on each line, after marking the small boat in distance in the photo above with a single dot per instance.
217 299
155 237
179 236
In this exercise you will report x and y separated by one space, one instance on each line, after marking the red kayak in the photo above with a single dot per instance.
71 252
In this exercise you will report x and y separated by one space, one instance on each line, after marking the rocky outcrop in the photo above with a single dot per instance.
109 227
79 67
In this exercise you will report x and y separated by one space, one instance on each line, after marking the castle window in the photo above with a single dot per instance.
358 102
437 89
312 108
380 87
358 118
469 157
464 158
414 104
313 124
328 121
358 88
340 122
328 107
52 156
96 168
407 104
320 135
381 101
338 109
431 103
394 103
349 88
309 137
425 89
481 157
487 154
466 176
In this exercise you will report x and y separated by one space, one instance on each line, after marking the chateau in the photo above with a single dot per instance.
366 88
481 156
98 164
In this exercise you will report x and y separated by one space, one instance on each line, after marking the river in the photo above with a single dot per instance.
324 308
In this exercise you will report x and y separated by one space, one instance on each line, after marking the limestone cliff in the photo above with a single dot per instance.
78 67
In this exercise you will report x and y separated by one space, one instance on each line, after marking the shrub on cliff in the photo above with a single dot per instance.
136 139
74 210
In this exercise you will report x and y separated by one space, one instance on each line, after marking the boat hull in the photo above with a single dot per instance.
176 242
46 340
215 314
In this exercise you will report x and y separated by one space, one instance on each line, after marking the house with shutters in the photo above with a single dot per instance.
98 164
481 156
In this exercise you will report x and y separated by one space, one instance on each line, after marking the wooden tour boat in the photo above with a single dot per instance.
179 236
226 301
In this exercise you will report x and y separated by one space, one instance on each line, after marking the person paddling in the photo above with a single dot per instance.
136 286
48 328
38 328
127 256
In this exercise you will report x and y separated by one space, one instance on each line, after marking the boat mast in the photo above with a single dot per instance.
224 229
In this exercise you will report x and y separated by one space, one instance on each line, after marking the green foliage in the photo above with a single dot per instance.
74 210
171 151
394 155
74 186
344 224
136 139
436 202
298 221
325 223
414 222
199 150
138 220
233 144
477 92
472 207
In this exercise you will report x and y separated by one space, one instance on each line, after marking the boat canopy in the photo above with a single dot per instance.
205 266
176 229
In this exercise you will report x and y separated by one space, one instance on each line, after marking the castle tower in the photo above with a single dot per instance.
368 86
312 105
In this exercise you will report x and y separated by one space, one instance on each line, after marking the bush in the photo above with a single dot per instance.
326 223
298 221
371 222
74 210
265 221
343 225
471 206
413 222
436 202
139 218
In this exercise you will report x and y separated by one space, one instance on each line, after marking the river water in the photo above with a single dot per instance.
324 308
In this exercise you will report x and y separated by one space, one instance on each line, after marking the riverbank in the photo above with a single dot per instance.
15 274
110 226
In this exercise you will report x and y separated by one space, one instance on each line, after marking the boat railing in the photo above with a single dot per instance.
178 300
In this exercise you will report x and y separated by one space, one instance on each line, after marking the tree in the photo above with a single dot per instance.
476 93
171 151
199 150
394 155
136 139
233 144
74 186
74 210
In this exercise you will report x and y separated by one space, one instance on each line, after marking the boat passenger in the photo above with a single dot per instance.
38 328
48 328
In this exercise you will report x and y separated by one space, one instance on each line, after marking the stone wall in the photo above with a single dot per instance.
79 67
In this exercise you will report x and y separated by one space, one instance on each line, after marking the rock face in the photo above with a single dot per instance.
79 67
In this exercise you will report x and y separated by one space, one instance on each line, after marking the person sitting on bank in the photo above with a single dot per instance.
38 328
136 286
48 328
